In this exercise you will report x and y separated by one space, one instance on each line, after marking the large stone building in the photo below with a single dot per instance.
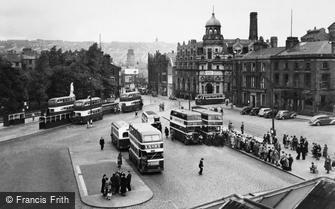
160 72
299 76
205 67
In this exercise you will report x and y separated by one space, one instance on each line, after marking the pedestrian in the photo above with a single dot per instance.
135 114
242 128
117 182
103 183
102 143
119 160
298 150
33 116
166 132
128 185
290 162
328 164
325 151
303 150
201 165
123 186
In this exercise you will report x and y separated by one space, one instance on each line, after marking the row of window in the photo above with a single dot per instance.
299 66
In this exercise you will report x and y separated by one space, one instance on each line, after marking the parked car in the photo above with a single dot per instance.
262 111
172 97
254 111
270 114
246 110
320 120
285 114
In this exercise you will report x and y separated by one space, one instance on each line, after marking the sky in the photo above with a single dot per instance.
168 20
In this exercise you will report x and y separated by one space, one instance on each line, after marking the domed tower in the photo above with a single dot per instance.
213 39
213 34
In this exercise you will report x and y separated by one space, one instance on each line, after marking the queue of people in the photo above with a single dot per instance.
118 183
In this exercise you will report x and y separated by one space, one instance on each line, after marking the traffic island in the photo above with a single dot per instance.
89 177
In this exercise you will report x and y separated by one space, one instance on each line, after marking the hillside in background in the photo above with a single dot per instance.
117 50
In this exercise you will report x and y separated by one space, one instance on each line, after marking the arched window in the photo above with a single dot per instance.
188 85
215 31
210 31
183 84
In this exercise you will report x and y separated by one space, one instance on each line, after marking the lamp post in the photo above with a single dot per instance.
272 104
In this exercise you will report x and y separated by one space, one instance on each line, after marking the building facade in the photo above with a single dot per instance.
160 73
205 67
298 77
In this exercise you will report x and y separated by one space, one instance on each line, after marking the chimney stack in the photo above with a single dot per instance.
291 42
274 41
253 31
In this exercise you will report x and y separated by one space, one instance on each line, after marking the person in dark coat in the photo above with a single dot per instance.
102 143
123 186
201 165
328 164
303 150
242 128
103 183
166 132
128 181
119 160
290 162
298 150
117 182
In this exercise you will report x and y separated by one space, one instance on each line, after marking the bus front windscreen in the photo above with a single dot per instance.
151 138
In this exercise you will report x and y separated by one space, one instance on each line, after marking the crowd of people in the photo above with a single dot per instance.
270 149
118 183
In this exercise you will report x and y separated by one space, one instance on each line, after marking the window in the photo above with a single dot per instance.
325 81
244 67
296 66
296 80
308 66
276 66
276 79
286 80
216 50
307 80
218 67
262 83
253 82
325 65
209 53
253 66
286 65
244 81
217 89
262 67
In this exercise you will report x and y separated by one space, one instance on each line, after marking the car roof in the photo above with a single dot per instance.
319 116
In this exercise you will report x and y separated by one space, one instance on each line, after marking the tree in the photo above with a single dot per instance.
13 84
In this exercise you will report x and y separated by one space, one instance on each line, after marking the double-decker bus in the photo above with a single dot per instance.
59 112
152 118
131 101
60 105
146 147
211 123
206 99
87 109
120 135
185 126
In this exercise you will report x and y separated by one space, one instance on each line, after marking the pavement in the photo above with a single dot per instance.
90 163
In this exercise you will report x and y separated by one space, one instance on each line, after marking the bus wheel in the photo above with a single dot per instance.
185 142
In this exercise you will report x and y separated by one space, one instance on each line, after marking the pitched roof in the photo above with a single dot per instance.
304 48
263 53
322 196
